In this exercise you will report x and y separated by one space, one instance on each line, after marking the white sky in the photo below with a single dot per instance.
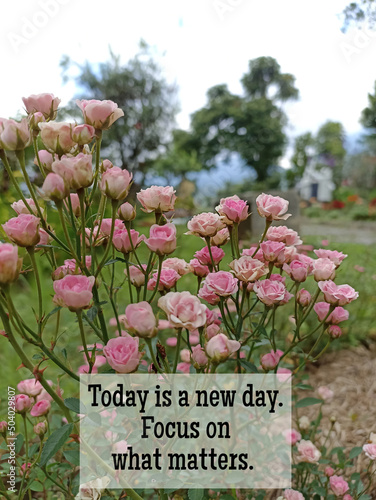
202 47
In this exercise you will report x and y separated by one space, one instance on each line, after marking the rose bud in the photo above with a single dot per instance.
199 357
297 270
46 159
127 212
136 276
220 347
55 188
57 137
106 165
46 104
232 209
115 183
20 208
167 280
205 225
140 320
162 239
83 134
30 386
323 269
220 238
157 199
178 265
270 360
14 136
334 331
100 114
122 354
272 207
203 255
303 297
34 120
10 264
22 403
77 171
23 230
329 471
40 429
75 203
3 427
25 469
198 269
121 240
40 408
207 294
212 330
74 292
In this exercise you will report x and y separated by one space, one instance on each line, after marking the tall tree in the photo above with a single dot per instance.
148 101
356 13
251 124
303 151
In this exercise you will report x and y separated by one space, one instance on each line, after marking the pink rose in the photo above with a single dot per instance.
292 495
77 171
20 208
337 295
333 255
178 265
122 354
370 450
272 207
232 209
338 485
248 269
46 159
55 188
220 347
127 212
272 292
45 238
323 269
46 104
14 136
40 408
271 250
183 310
30 386
203 255
292 436
10 264
157 199
167 280
106 165
303 297
329 471
221 283
57 137
207 294
270 360
105 228
121 240
338 315
334 331
308 452
74 292
205 225
185 355
75 203
83 134
198 269
140 320
199 357
162 239
212 317
212 330
3 427
297 271
220 238
115 183
100 114
136 276
40 428
184 367
23 230
283 374
325 393
22 403
284 235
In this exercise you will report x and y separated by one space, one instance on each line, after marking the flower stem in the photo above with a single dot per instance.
83 339
31 253
107 251
161 257
81 196
177 351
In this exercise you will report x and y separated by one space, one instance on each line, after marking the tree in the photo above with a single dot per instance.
303 147
250 125
148 101
359 12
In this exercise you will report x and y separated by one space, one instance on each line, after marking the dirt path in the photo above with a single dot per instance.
340 231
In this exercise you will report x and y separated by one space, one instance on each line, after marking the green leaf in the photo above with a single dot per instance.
55 442
36 486
195 494
75 405
249 367
91 313
304 387
302 403
19 442
355 452
72 456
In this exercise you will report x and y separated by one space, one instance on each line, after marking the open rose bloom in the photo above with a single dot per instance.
100 274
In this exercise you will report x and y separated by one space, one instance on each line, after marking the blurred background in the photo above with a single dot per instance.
221 97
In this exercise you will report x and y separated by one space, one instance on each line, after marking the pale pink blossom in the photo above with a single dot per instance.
203 256
292 436
100 114
23 230
22 403
127 212
297 270
221 347
272 250
307 452
136 276
57 137
222 283
270 360
77 171
272 207
198 269
370 450
272 292
338 295
46 104
167 280
74 292
232 209
179 265
338 485
335 256
10 263
140 320
325 393
162 239
284 235
83 134
122 242
183 310
323 269
14 136
248 269
157 198
122 354
115 183
206 224
40 408
220 238
31 387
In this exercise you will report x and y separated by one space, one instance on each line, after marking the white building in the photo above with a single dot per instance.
317 182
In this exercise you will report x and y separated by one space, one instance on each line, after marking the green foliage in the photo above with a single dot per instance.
251 125
54 443
359 12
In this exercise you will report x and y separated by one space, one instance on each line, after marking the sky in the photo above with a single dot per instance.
200 43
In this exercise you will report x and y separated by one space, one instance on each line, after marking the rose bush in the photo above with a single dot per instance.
121 301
